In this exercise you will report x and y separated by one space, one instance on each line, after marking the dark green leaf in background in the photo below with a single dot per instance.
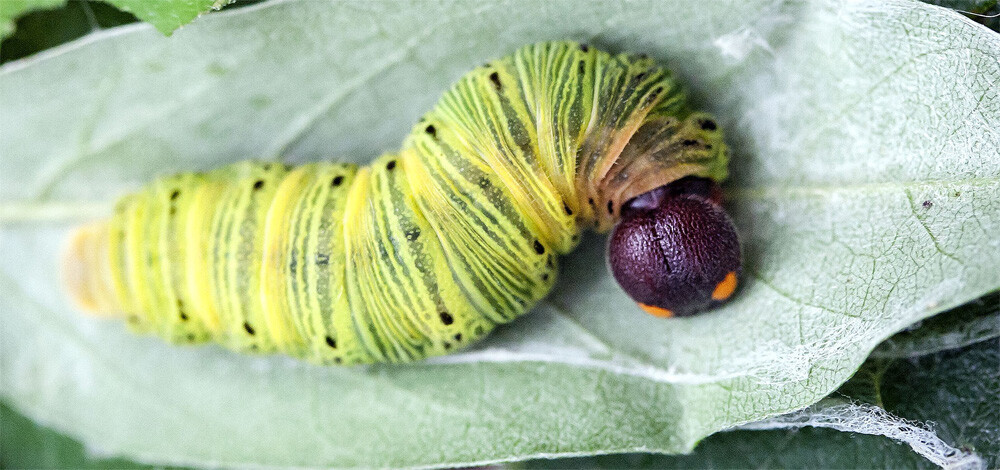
986 12
25 444
44 29
168 15
976 322
165 15
956 390
12 9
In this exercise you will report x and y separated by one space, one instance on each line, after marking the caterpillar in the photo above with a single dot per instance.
429 248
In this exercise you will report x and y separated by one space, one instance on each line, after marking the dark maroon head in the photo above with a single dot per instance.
675 250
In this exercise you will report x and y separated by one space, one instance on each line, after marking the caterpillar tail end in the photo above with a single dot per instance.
86 271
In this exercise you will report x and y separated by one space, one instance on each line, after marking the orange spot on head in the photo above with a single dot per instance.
656 311
725 288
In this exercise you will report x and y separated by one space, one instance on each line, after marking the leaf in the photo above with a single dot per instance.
44 29
985 12
24 444
165 15
11 9
28 445
806 448
168 15
845 118
912 387
949 398
957 391
965 6
979 321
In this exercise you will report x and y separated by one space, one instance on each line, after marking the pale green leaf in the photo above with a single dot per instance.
952 392
844 117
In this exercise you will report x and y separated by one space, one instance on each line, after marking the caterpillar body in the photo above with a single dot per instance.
418 254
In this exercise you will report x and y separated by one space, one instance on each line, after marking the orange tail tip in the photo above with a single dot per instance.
85 271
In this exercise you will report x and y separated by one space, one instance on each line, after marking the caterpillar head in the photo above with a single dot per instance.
675 250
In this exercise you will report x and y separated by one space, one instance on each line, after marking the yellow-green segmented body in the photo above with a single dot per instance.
422 252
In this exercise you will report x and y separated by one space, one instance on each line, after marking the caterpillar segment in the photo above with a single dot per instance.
420 253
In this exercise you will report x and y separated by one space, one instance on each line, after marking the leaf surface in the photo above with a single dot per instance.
865 182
